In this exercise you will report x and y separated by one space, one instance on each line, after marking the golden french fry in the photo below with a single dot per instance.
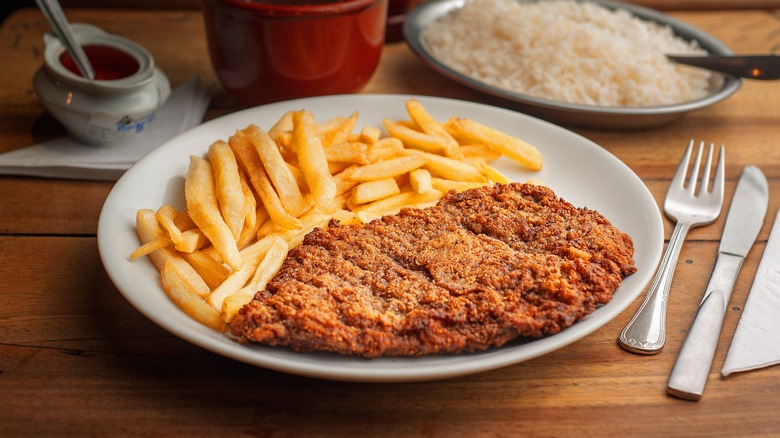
191 240
212 271
299 178
268 267
479 153
445 185
420 181
272 261
250 162
199 191
230 195
149 230
370 134
250 203
341 133
168 211
452 169
370 191
237 279
345 217
232 304
183 221
349 152
284 124
514 148
419 140
388 168
336 168
493 174
284 140
394 204
249 233
430 126
266 227
312 160
343 183
270 227
385 149
281 176
151 246
312 219
166 216
324 128
339 203
181 290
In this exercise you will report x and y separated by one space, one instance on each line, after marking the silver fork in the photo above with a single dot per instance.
646 332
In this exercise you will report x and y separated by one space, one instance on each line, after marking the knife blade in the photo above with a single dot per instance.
756 342
744 221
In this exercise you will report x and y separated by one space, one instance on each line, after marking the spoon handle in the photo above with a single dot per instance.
56 17
766 67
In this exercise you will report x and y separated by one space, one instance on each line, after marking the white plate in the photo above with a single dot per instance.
578 170
589 116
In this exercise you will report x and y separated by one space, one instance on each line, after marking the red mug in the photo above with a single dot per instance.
272 50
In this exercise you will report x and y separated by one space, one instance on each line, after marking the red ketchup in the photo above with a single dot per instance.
108 62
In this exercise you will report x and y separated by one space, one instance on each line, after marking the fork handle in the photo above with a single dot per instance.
646 332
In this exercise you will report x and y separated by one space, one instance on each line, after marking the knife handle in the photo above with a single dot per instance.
690 372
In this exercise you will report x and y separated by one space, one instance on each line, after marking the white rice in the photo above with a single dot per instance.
567 51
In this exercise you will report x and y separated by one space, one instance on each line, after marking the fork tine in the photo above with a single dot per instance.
705 179
719 180
678 180
694 176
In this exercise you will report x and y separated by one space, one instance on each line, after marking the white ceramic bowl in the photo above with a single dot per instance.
100 112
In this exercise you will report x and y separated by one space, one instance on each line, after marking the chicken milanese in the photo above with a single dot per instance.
481 268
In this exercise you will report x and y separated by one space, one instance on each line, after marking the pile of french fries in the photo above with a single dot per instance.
253 197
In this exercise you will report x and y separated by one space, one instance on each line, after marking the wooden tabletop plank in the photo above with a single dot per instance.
746 122
80 358
76 358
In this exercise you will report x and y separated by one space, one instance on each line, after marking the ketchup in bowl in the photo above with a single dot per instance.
108 62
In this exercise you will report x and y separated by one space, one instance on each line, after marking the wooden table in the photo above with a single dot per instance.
76 358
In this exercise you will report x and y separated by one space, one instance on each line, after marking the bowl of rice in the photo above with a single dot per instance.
593 63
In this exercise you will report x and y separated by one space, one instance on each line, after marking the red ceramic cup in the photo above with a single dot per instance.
270 50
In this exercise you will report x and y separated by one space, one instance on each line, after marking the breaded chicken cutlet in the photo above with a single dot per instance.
480 269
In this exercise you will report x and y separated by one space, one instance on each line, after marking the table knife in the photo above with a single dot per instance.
756 342
744 221
766 67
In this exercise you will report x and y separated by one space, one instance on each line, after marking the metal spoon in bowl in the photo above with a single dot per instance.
764 67
56 18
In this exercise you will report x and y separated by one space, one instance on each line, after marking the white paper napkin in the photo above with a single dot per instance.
756 342
67 158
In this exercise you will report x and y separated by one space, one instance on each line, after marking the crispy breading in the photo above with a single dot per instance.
480 269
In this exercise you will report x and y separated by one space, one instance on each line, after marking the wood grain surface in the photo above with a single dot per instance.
77 359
